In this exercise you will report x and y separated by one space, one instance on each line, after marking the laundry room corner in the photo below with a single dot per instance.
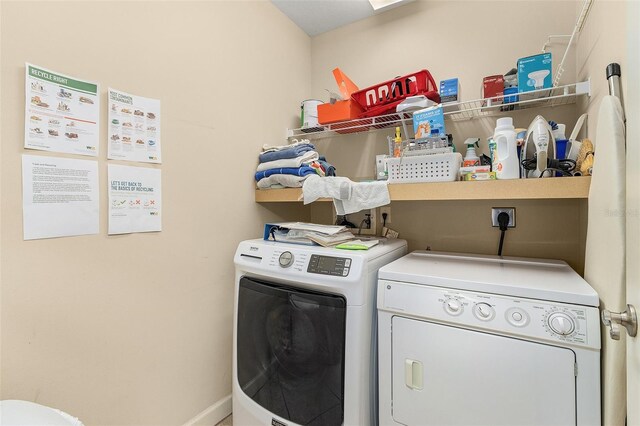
319 212
136 329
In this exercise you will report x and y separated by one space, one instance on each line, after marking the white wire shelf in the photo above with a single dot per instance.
543 98
352 126
465 110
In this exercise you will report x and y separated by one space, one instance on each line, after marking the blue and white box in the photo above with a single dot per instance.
534 73
449 90
429 122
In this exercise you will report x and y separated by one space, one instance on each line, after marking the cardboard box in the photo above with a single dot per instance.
534 72
492 86
480 176
429 122
449 90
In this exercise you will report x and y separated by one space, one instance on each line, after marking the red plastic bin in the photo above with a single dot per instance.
384 97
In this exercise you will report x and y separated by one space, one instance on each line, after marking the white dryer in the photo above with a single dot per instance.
304 338
483 340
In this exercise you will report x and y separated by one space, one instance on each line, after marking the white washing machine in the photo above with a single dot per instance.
483 340
304 333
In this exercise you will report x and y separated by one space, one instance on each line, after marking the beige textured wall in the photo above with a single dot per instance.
468 40
136 329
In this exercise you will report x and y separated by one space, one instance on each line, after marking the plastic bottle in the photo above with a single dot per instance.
492 152
506 161
397 144
471 158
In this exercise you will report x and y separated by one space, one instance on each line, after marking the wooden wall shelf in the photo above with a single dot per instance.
516 189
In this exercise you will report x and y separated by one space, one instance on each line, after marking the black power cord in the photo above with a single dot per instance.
565 167
503 222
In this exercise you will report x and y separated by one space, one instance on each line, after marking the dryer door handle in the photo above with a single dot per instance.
413 377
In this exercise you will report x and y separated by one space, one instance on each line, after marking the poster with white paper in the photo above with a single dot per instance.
134 128
60 197
62 113
135 199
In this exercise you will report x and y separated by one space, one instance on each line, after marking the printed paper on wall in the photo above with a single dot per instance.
60 197
62 113
135 199
134 128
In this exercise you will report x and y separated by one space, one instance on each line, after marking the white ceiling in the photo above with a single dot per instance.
319 16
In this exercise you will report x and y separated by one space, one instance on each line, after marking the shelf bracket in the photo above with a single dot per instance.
584 88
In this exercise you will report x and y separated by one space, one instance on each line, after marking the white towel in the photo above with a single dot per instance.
295 142
277 180
331 187
348 196
604 265
307 157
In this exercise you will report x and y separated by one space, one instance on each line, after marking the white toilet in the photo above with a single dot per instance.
25 413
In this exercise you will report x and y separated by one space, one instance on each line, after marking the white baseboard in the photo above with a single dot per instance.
213 414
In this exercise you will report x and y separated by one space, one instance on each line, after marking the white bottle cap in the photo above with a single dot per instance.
504 122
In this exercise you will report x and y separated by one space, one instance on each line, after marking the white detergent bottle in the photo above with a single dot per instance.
506 163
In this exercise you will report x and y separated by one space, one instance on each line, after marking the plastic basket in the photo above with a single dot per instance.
384 97
424 168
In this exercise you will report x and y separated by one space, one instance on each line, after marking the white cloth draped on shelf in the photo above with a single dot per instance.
348 196
605 249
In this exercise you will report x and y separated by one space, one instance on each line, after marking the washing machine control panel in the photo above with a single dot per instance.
550 321
329 265
289 261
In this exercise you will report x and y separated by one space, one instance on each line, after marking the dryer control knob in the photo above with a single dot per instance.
484 311
561 323
453 306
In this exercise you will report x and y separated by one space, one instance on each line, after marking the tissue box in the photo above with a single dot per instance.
534 72
428 122
340 111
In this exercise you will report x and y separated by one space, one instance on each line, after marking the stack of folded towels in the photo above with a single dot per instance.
287 166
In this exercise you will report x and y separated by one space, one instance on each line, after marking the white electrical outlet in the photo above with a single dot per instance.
387 210
511 211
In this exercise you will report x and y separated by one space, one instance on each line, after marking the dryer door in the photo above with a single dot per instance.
290 354
445 375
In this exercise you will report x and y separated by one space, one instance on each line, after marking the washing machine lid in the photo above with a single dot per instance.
541 279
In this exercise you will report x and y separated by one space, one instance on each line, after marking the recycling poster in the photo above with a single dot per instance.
135 199
62 113
134 128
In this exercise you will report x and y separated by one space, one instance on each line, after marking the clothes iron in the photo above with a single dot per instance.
539 147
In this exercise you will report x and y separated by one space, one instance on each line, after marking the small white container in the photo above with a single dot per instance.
506 164
309 113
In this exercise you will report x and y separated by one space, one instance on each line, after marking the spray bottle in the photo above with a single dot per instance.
471 158
397 144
